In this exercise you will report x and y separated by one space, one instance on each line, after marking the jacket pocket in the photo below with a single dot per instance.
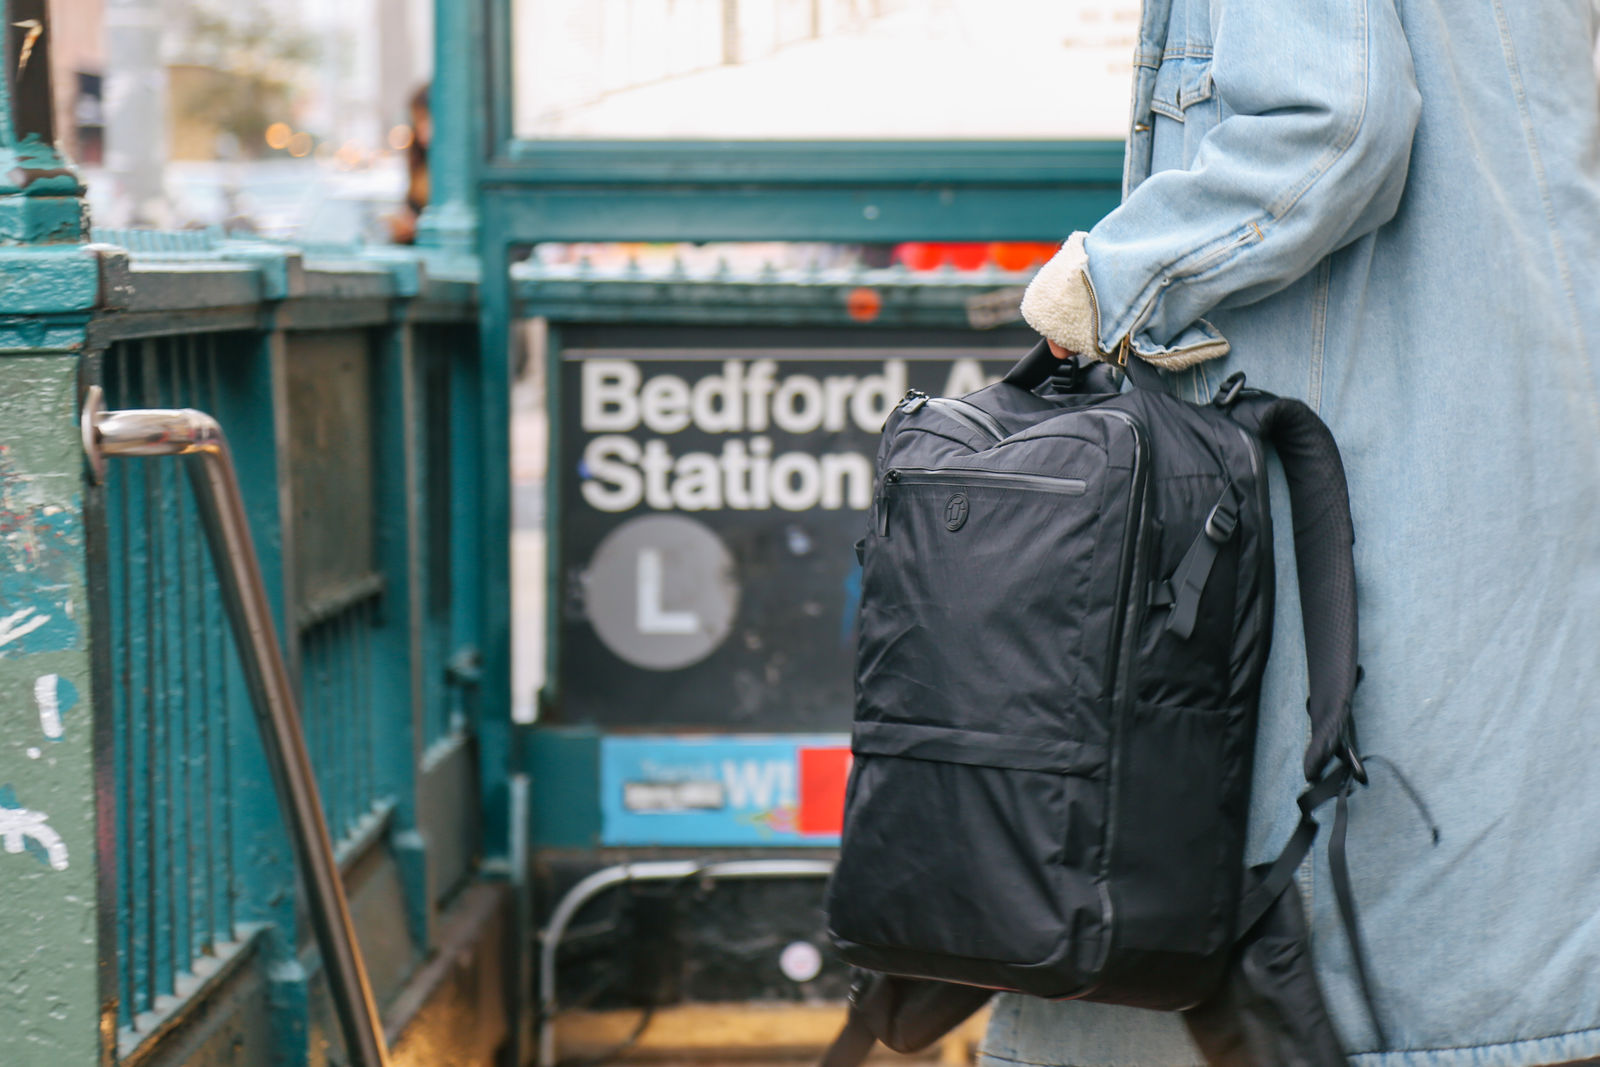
1183 83
1185 108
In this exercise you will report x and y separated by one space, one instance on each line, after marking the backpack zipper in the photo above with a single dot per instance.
1043 483
971 416
1035 483
1120 671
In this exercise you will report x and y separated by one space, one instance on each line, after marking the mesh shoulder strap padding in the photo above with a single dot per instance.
1324 537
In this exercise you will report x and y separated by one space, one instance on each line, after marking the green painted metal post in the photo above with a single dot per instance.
57 999
456 101
51 996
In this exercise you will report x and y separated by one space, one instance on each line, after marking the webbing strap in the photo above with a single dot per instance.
854 1043
1339 866
1189 580
1257 902
1144 375
1337 786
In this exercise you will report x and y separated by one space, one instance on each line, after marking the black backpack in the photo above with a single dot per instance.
1067 602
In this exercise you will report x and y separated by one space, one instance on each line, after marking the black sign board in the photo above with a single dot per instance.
713 483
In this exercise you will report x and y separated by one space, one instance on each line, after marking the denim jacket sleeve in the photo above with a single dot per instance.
1317 106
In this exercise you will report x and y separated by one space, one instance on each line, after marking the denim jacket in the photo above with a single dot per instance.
1391 209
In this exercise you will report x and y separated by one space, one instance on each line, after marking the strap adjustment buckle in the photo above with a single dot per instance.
1347 754
1230 389
1223 520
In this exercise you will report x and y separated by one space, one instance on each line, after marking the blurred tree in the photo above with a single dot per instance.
238 70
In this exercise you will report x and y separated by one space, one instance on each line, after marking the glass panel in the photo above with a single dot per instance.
823 69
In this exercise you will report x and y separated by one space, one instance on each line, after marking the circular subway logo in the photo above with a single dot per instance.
956 510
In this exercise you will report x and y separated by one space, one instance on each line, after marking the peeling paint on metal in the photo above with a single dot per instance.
54 695
40 546
50 971
24 830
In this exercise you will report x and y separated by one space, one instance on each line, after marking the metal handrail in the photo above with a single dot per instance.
198 437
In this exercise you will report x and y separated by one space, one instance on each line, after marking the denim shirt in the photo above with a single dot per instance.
1391 210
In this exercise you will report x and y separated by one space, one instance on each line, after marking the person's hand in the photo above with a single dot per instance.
1057 351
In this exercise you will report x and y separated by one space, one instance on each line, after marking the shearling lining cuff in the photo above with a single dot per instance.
1060 304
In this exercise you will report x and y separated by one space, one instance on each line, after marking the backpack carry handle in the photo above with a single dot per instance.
1033 369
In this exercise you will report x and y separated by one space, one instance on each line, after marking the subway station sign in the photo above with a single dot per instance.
723 791
713 483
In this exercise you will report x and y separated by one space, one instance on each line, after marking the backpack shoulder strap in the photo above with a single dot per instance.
1324 539
854 1043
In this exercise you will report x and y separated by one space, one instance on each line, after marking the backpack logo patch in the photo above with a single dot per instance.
956 510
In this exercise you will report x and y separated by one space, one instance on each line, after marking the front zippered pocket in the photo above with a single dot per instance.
969 476
971 416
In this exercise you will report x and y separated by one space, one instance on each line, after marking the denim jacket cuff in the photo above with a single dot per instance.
1060 303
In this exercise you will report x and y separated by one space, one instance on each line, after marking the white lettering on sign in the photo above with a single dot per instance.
622 472
617 398
653 617
744 476
759 784
672 797
610 396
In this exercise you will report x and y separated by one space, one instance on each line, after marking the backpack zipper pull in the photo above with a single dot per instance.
889 478
914 399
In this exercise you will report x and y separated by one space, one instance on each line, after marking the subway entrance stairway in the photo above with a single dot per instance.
519 733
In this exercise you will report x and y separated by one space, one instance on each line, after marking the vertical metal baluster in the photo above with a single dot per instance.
224 703
337 803
347 736
328 650
202 856
310 721
123 558
355 620
167 476
369 612
206 912
339 702
341 684
317 716
183 934
153 747
355 746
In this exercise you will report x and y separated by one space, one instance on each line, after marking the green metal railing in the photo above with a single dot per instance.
176 697
345 381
